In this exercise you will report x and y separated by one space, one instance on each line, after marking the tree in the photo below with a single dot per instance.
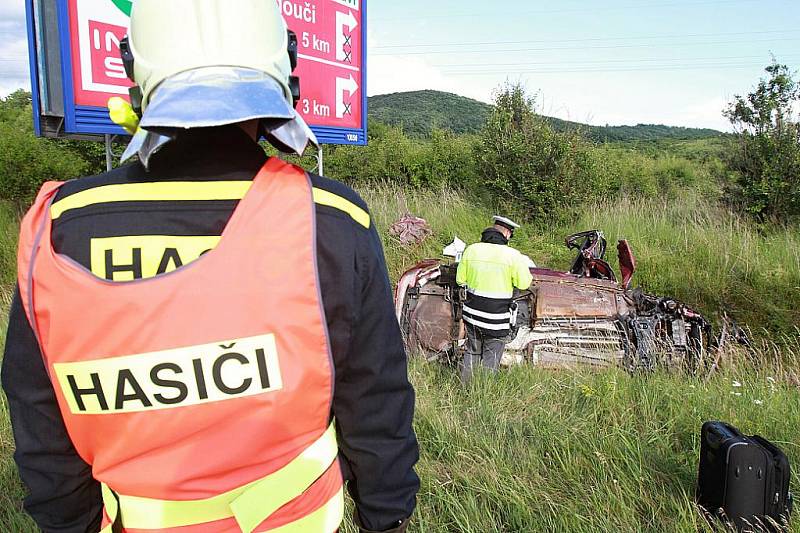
767 156
26 161
524 162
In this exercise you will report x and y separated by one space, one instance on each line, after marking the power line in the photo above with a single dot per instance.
561 11
554 48
657 68
589 39
598 61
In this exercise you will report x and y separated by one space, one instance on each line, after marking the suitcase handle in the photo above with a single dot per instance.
717 433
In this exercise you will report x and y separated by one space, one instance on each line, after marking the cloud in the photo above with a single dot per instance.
12 12
13 47
395 73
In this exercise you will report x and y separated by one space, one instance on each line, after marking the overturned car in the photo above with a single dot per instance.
586 316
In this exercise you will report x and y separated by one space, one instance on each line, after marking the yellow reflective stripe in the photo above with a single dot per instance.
329 199
326 519
269 494
264 497
152 192
185 191
111 506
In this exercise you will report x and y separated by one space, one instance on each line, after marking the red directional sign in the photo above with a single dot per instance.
331 36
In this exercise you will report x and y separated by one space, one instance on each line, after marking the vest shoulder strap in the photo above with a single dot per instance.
30 234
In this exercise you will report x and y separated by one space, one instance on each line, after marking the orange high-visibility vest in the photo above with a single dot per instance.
201 398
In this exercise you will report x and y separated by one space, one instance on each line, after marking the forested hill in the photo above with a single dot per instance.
420 111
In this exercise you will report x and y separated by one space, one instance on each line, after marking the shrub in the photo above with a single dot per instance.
444 158
25 161
523 161
767 155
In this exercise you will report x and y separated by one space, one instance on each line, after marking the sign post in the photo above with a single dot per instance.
76 65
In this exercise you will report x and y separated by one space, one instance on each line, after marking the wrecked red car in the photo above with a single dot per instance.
584 317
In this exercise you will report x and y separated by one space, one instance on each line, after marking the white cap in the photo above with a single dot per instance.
505 222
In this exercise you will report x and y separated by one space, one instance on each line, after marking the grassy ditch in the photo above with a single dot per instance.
536 450
687 247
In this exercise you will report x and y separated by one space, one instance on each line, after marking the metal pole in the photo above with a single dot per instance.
109 154
320 170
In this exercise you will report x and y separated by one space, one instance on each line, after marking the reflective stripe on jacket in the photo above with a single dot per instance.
202 397
491 272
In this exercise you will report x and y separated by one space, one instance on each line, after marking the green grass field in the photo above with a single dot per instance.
686 247
535 450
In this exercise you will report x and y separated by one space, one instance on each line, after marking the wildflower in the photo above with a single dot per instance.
736 393
736 384
758 402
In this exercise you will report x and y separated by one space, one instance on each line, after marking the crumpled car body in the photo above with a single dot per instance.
584 317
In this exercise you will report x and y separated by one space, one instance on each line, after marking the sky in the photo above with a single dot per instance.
674 62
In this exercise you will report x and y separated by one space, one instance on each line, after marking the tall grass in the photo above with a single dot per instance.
9 222
710 258
11 517
687 247
536 450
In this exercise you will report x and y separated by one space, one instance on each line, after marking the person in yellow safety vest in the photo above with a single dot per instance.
204 339
490 270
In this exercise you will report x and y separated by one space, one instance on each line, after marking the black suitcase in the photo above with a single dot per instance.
743 479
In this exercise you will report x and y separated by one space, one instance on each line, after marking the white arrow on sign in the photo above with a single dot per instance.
344 42
343 85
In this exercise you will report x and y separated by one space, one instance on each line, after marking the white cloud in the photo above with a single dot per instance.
389 74
12 9
394 73
13 47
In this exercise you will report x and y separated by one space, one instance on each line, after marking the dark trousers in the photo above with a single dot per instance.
482 350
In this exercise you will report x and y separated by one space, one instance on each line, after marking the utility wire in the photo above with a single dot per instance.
599 61
663 68
589 39
488 14
608 47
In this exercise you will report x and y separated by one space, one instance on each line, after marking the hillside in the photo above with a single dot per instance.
419 111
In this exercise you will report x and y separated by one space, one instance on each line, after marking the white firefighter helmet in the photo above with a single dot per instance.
202 63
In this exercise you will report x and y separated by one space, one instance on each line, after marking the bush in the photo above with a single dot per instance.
25 161
767 155
523 161
444 158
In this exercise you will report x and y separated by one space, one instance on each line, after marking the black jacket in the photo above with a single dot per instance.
493 236
373 400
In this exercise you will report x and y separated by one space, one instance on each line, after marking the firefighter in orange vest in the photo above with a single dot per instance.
204 340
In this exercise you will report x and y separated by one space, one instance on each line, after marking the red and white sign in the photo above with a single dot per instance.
96 28
329 37
329 33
